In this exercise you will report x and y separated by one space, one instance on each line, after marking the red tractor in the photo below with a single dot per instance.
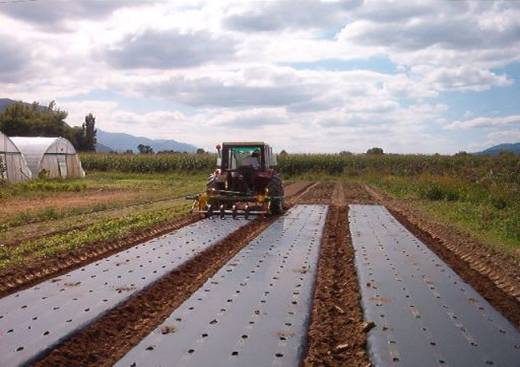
244 182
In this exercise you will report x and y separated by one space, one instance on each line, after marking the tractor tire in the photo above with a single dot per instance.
276 189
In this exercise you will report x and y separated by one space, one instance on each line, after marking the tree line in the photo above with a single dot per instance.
23 119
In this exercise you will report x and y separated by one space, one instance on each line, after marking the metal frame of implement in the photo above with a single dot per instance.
201 205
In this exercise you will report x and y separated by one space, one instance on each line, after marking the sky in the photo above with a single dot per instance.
305 76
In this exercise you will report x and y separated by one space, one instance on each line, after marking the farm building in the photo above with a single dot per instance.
14 167
56 156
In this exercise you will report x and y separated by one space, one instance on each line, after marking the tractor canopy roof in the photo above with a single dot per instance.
245 143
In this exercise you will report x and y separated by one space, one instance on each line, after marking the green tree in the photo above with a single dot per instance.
22 119
144 149
76 136
200 151
375 151
89 131
345 152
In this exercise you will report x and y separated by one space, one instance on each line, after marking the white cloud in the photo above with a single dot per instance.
486 122
57 16
462 78
169 49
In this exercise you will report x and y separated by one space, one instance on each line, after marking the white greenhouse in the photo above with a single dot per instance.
56 156
14 167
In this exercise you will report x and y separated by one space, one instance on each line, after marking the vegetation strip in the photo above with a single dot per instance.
91 218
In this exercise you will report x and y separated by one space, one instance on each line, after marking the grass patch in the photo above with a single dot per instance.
42 186
103 230
149 187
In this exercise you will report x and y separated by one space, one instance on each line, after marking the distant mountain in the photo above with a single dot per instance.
497 149
103 148
121 142
4 102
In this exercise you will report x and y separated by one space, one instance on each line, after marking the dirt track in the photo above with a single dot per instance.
337 334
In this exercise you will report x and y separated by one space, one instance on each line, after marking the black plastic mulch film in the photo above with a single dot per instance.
254 311
34 320
424 313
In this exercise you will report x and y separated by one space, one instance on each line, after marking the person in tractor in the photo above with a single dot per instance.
252 161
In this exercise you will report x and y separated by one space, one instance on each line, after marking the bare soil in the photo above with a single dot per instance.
321 193
64 200
337 332
495 276
337 335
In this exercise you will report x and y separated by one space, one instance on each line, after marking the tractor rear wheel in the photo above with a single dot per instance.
276 189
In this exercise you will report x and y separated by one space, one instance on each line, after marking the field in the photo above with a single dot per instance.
478 195
465 209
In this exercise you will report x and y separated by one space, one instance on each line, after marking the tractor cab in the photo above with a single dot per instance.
233 156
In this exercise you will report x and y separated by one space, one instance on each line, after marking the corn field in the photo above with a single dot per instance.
147 163
504 168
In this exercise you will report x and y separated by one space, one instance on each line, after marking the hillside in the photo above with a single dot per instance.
497 149
122 142
4 102
101 148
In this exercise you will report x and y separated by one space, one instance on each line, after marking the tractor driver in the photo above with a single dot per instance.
253 160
